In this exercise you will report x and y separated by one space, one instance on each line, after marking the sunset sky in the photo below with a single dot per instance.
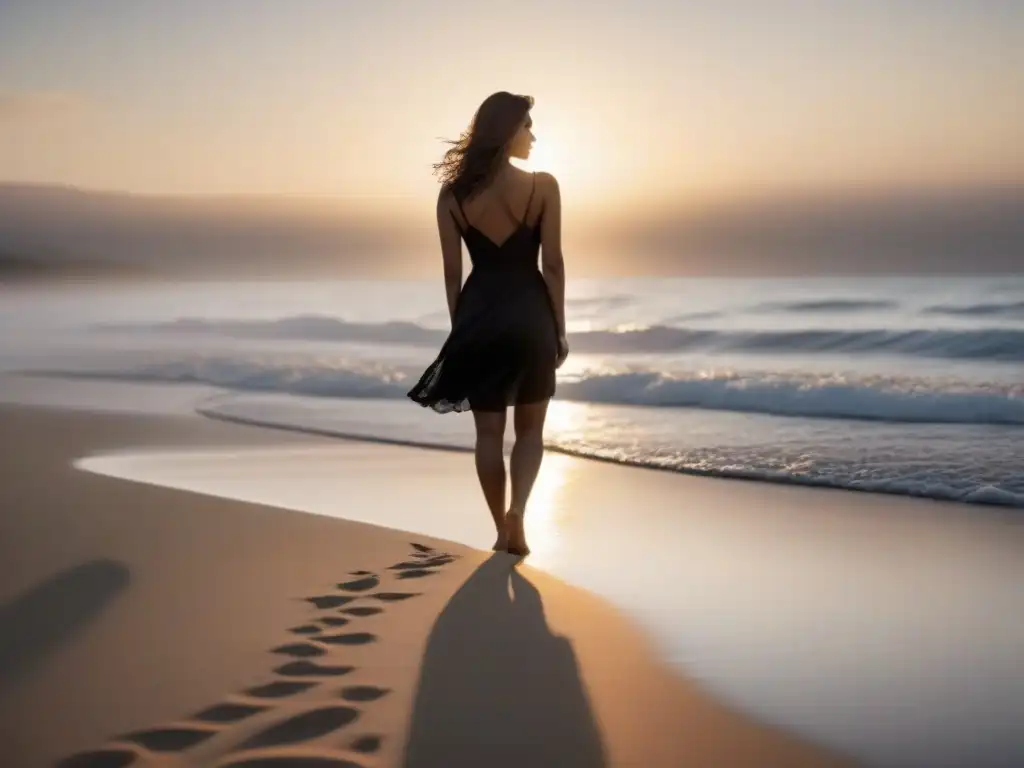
331 97
641 107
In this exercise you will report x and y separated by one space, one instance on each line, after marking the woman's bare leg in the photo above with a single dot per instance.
527 454
490 466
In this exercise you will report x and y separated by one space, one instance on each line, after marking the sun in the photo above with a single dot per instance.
545 156
570 156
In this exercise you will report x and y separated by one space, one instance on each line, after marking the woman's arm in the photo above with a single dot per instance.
451 252
552 263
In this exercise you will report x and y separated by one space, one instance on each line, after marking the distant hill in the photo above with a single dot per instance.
49 230
958 231
14 268
59 227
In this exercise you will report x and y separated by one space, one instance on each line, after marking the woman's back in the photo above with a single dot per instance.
505 302
503 345
501 224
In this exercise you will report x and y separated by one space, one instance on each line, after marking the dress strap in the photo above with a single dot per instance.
458 224
529 202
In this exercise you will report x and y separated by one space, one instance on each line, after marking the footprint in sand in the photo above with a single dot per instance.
367 745
300 650
394 597
351 638
306 668
279 689
363 693
367 610
102 758
296 729
362 584
409 565
303 727
426 563
423 563
228 712
417 573
170 738
298 761
324 602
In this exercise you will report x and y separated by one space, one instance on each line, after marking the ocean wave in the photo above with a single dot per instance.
895 472
807 395
690 316
295 328
613 301
828 305
996 344
992 344
1012 309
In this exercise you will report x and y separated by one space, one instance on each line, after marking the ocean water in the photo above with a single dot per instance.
910 386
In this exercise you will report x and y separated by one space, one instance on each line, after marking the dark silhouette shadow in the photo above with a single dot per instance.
497 688
40 620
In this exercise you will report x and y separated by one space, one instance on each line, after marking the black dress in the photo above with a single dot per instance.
503 346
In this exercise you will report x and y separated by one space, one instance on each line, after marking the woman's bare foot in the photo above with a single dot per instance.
515 534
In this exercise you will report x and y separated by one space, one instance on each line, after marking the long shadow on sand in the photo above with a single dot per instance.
497 688
46 616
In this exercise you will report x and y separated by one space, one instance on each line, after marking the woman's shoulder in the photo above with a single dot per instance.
545 181
445 198
546 186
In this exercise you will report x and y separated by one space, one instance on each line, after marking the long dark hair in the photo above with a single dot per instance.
473 159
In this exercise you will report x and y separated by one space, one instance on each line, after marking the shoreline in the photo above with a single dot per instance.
187 593
192 399
786 482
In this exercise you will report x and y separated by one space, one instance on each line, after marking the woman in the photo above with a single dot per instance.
508 320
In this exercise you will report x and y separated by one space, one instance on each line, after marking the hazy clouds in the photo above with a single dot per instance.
963 232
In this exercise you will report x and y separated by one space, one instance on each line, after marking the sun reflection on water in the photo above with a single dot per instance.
544 511
562 416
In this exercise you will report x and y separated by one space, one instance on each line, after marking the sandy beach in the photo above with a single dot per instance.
145 625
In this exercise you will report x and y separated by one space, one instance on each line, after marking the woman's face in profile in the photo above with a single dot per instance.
522 142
